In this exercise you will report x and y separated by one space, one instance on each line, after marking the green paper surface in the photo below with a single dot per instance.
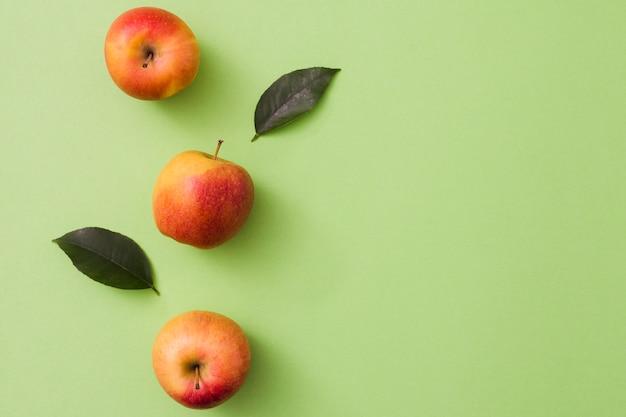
443 235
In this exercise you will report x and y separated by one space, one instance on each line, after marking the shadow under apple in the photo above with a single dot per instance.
204 102
265 236
277 382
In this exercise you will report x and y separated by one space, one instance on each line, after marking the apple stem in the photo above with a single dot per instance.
219 145
197 376
148 60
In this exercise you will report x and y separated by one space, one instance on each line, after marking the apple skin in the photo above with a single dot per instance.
151 54
201 200
213 343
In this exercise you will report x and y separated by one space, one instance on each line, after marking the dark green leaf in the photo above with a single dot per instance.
108 257
290 97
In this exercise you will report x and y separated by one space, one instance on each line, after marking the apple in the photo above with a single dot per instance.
202 200
201 358
150 53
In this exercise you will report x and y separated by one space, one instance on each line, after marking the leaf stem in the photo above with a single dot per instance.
197 376
156 291
219 145
256 136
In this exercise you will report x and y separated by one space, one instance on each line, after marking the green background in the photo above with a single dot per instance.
444 235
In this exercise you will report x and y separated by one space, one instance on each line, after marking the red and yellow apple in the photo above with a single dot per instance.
202 200
201 358
150 53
